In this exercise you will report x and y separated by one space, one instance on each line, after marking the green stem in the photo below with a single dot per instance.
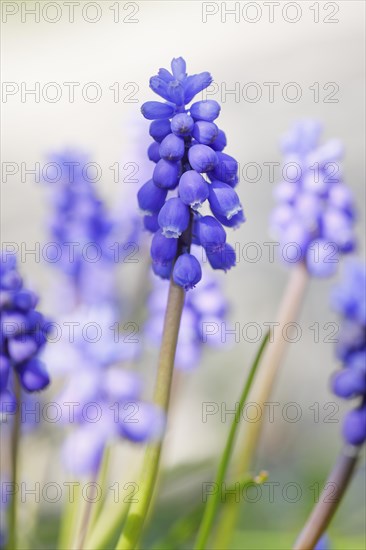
213 501
102 482
69 520
325 509
13 507
261 390
138 510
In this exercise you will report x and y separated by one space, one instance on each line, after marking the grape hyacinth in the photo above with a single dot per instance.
190 169
90 362
349 299
107 398
314 215
23 335
205 308
86 237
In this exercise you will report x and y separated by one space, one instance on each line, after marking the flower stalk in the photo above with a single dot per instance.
325 509
261 390
13 507
138 511
213 502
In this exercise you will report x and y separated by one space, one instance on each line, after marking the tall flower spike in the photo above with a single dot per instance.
349 299
314 215
187 151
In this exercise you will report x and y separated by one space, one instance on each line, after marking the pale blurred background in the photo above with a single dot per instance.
126 52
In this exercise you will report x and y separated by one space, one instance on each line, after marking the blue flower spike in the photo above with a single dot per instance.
190 171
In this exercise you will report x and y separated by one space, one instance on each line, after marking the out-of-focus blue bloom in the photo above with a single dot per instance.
91 351
85 236
190 164
349 299
314 215
23 335
204 311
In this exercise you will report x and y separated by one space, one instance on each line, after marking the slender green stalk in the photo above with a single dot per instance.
325 509
102 481
69 520
214 499
138 510
261 390
15 436
103 533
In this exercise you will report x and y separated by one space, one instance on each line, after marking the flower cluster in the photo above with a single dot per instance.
205 309
106 398
349 299
190 169
23 335
314 216
99 397
87 235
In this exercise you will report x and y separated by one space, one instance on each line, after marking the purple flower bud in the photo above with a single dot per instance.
4 372
151 223
222 259
173 218
294 242
141 422
341 197
176 93
33 375
25 300
205 132
354 426
187 271
207 110
178 66
349 382
153 152
286 191
163 250
150 197
351 339
234 222
226 169
223 200
338 228
163 270
193 189
166 174
172 148
281 217
160 87
202 158
182 124
22 348
159 129
195 84
210 233
154 109
322 258
220 142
